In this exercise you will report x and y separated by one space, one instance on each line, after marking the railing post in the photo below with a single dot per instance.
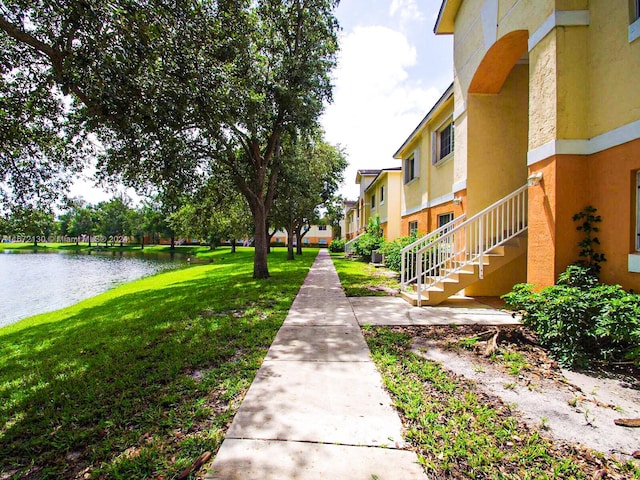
419 278
481 247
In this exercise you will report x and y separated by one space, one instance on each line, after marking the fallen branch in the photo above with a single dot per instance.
627 422
492 345
195 467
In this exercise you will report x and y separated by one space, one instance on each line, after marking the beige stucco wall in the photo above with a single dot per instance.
498 142
614 94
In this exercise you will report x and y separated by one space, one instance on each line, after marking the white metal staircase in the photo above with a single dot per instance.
348 246
464 251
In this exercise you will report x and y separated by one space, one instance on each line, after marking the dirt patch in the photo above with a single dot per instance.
575 407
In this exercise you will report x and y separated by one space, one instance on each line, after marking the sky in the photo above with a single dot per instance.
391 69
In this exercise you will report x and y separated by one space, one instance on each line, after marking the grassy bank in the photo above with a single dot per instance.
51 247
140 381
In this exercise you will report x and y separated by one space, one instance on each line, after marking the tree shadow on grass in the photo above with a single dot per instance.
121 386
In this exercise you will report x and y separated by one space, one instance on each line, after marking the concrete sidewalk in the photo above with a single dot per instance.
316 408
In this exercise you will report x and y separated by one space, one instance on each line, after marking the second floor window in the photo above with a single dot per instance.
381 195
443 141
322 227
373 202
409 169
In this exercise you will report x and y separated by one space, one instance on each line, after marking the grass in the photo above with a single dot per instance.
458 433
141 380
44 247
361 279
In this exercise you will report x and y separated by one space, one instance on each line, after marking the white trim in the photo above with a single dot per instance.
458 112
634 30
440 200
633 264
489 18
457 186
430 204
559 18
610 139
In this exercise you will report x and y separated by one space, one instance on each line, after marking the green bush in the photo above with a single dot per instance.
391 252
336 245
367 243
580 320
372 239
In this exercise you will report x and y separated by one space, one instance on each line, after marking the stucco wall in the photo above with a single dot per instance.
497 142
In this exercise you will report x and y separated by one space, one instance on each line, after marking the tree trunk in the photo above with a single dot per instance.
173 241
233 245
290 236
299 242
142 242
260 267
269 235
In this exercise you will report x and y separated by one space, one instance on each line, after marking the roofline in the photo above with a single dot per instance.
446 17
385 171
369 173
445 96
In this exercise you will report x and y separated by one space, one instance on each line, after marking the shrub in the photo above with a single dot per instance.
391 252
580 320
366 244
371 240
336 245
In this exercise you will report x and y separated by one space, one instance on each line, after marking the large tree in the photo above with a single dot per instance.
171 88
315 171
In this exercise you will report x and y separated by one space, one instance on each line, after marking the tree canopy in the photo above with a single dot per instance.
169 89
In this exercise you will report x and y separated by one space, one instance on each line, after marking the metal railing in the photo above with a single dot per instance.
348 246
470 241
408 268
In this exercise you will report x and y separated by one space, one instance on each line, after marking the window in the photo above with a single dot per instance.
409 169
444 219
322 241
638 211
381 194
442 143
373 201
634 20
413 228
322 228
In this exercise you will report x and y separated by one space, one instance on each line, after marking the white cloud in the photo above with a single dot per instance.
376 105
406 10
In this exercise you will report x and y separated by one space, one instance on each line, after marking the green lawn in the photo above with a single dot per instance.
361 279
141 380
44 247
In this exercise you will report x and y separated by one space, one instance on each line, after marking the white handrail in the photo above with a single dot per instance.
348 246
469 241
408 270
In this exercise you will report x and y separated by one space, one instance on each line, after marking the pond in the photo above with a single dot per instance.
32 283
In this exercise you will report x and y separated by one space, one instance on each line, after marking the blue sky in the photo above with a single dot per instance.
391 70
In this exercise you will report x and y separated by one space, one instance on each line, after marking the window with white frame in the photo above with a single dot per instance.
444 219
381 194
442 142
373 201
413 228
322 227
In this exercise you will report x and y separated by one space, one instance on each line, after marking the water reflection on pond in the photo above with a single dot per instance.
32 283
